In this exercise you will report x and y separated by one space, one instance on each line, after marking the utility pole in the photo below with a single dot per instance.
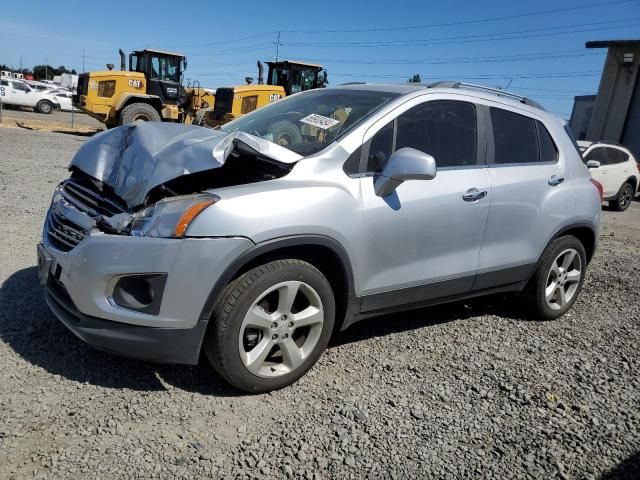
20 63
83 55
277 42
46 67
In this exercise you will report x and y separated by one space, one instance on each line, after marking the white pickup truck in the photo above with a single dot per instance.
17 93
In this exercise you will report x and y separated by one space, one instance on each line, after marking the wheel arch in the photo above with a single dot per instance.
324 253
127 99
583 231
634 183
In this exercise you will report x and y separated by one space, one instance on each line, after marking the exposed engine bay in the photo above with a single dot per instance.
123 171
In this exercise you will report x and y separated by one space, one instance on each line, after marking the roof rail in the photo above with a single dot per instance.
497 91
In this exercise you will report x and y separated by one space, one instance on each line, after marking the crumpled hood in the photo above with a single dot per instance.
133 159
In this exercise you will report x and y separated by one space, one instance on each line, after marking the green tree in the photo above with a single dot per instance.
414 78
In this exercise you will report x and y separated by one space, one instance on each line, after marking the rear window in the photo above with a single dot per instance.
520 139
615 156
515 137
548 150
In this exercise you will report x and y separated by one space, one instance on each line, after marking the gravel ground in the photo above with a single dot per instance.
467 390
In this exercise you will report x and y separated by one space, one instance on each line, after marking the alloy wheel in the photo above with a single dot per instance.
563 279
625 197
281 329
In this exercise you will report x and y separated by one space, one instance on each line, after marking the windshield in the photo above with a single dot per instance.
308 122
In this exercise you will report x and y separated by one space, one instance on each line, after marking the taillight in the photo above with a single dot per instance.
598 186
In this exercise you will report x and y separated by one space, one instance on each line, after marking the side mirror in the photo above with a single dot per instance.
405 164
593 164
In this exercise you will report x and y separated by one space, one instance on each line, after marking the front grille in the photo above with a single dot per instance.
89 200
64 234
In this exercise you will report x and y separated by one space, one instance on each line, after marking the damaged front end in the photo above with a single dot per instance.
152 179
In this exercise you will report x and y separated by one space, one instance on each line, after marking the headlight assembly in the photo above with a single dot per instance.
170 217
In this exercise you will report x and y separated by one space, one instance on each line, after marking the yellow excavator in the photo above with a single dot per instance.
284 78
150 89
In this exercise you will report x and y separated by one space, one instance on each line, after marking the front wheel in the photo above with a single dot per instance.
558 278
139 112
271 325
624 198
44 106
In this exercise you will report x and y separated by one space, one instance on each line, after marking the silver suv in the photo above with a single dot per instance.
257 241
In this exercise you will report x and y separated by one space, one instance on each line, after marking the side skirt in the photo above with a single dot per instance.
512 279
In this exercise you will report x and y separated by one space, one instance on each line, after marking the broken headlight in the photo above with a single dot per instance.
170 217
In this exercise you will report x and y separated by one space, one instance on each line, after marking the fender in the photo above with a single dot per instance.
126 96
353 306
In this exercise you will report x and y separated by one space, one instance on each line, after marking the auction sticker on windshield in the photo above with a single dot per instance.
319 121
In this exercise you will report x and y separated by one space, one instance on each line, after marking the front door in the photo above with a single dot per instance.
164 78
424 239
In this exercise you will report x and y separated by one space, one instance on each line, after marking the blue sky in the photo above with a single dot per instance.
540 55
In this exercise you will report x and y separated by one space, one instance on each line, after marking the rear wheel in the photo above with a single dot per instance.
139 112
558 279
271 325
624 198
44 106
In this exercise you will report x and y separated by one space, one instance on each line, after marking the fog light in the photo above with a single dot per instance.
142 293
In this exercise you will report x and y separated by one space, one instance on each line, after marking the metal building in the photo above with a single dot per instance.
581 115
615 116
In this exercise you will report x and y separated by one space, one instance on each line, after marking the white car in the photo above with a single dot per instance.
16 92
616 169
65 98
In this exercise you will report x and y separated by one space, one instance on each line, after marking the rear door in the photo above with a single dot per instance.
604 173
620 168
531 196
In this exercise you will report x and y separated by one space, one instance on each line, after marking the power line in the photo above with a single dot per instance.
452 60
464 22
225 42
575 74
471 38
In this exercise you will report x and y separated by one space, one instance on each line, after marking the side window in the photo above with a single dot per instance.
381 148
4 83
548 150
615 156
597 154
445 129
515 137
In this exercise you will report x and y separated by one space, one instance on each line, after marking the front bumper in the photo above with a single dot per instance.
161 345
79 285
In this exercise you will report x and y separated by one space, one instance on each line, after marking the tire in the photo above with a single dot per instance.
285 133
44 106
199 118
563 276
139 112
623 199
255 298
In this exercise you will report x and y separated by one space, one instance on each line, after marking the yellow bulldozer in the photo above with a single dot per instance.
284 78
150 89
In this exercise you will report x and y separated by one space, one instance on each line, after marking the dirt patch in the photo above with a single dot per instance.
47 126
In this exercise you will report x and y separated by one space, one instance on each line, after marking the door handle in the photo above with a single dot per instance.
473 194
555 180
